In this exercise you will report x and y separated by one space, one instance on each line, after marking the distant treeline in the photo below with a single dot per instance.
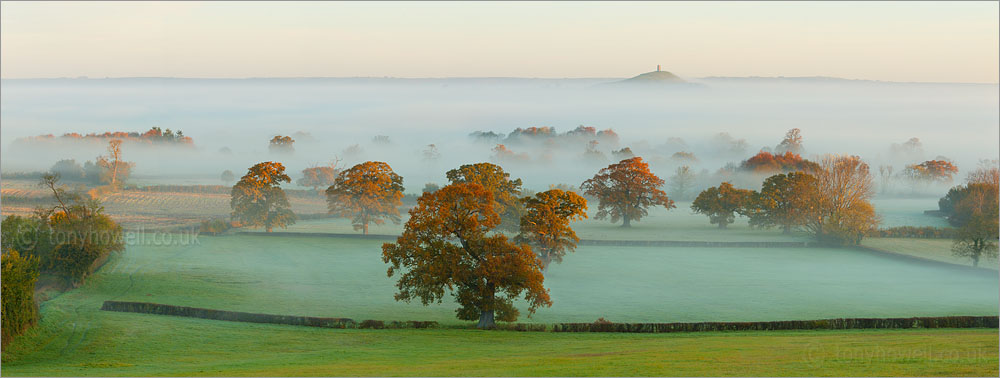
154 135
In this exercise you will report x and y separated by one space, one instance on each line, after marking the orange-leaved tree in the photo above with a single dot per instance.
722 203
369 192
626 190
448 244
504 190
545 224
257 199
786 200
931 171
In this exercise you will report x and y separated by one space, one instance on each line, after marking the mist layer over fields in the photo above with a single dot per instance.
345 277
328 116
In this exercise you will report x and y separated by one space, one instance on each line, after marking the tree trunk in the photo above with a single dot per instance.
722 225
114 176
269 228
486 320
366 228
627 222
787 230
975 260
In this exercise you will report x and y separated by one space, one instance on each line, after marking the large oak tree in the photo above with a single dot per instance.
722 203
626 190
258 200
369 192
449 245
785 200
506 192
545 224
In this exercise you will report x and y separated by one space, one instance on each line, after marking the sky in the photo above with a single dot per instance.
890 41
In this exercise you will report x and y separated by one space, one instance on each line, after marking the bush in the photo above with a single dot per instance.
215 226
18 293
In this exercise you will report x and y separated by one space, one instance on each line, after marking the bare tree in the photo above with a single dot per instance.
885 178
845 213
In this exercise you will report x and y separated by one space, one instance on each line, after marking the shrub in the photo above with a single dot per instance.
19 310
214 227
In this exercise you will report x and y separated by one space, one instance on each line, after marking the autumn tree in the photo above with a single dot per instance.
114 170
845 213
766 162
622 154
931 171
626 190
369 193
448 244
792 142
319 176
258 200
785 200
978 233
722 203
281 144
504 190
545 224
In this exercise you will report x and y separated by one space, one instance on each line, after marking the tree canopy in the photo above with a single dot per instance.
845 213
504 190
931 171
545 224
282 144
626 190
722 203
766 162
369 192
258 200
785 200
448 245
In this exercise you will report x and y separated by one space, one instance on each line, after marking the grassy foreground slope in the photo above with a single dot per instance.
149 345
344 277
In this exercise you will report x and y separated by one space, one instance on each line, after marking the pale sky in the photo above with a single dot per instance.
892 41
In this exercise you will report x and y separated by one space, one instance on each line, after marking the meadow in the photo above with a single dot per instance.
345 277
327 276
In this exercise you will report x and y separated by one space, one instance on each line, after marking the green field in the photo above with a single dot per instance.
344 277
321 276
931 249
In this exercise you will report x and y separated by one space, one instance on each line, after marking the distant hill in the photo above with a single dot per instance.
655 77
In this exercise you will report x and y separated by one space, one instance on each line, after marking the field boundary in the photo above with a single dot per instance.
248 317
926 261
592 242
839 323
844 323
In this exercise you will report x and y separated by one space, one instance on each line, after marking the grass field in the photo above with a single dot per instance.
932 249
344 277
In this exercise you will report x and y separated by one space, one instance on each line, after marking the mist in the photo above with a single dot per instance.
231 121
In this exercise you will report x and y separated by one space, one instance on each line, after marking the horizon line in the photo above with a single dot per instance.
477 77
